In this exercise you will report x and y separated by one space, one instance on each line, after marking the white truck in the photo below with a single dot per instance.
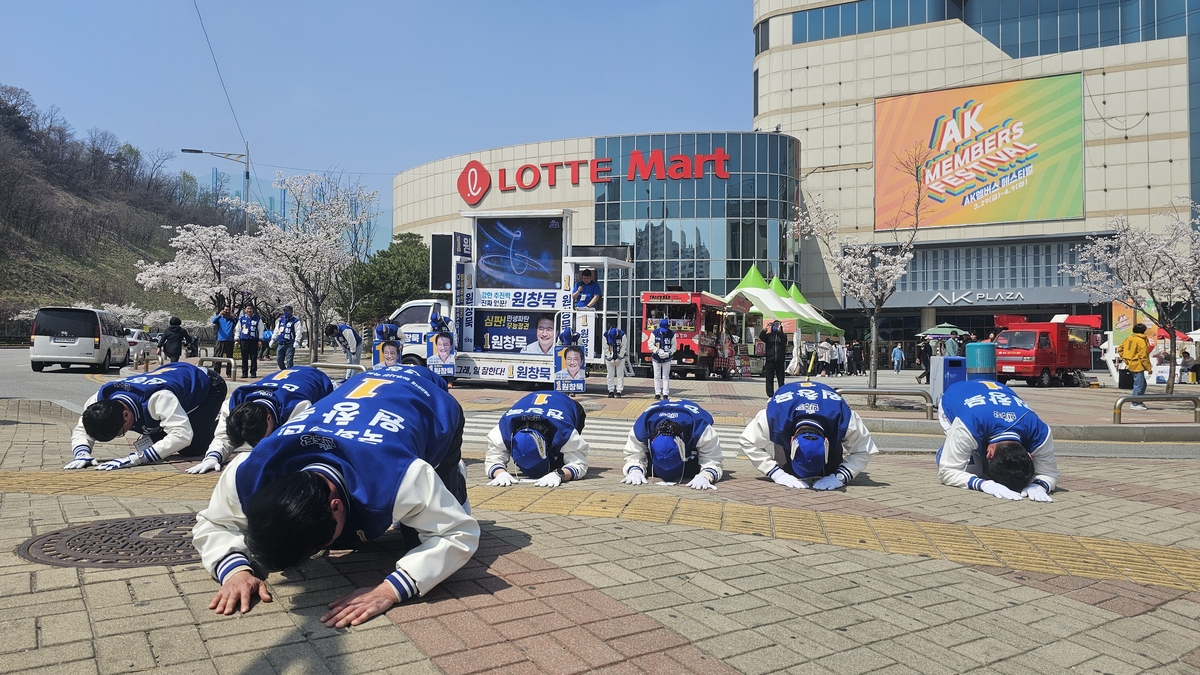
512 297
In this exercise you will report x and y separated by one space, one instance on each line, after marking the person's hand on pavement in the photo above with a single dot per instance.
238 592
788 480
635 476
999 491
702 482
502 479
830 482
550 480
120 463
1036 493
80 462
209 464
359 606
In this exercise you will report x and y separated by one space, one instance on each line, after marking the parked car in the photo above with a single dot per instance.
141 345
71 335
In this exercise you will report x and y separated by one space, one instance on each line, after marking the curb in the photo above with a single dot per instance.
1118 433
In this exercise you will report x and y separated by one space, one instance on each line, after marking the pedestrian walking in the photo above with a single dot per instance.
1135 352
897 358
924 354
265 341
174 340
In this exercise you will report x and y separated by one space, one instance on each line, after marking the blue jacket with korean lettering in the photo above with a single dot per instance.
386 331
662 341
188 383
284 390
285 330
692 420
811 402
992 412
369 432
560 414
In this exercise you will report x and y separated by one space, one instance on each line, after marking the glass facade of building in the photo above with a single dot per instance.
702 234
985 268
1025 28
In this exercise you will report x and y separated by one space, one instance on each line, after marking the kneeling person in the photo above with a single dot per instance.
256 410
675 441
174 409
995 443
383 451
808 431
541 435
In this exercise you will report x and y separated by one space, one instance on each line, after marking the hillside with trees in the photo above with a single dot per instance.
77 211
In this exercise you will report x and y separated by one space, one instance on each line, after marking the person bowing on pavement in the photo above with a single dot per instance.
541 435
675 441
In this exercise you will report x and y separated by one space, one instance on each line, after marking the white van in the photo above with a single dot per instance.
68 335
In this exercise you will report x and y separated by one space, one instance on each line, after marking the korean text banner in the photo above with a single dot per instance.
998 153
514 332
519 253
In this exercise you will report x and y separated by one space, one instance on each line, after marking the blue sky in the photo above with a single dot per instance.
373 88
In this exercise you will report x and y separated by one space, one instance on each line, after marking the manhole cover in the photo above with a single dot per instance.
144 541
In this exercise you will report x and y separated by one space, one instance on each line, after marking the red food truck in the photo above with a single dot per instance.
1048 352
698 320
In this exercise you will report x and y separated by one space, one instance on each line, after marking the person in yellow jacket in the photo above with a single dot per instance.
1135 352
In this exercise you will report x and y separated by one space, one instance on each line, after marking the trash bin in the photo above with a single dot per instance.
981 361
945 371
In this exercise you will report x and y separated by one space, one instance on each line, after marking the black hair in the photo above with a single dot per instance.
1011 466
573 348
289 520
247 424
175 321
1139 328
103 420
547 317
330 329
446 335
389 343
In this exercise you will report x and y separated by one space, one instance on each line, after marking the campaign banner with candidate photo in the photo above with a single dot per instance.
994 153
519 253
514 332
439 353
570 369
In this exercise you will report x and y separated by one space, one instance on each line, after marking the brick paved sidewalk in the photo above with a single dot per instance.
896 574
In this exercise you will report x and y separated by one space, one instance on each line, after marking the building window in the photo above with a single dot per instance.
756 93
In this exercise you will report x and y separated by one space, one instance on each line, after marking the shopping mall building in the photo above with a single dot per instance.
1036 121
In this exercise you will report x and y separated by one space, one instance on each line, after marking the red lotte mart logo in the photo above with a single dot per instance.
475 180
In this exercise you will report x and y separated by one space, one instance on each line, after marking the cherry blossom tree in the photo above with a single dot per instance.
1130 265
212 268
868 271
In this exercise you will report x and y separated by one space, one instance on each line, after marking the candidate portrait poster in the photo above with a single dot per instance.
569 369
439 353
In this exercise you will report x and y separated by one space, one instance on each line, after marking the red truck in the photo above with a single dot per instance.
1048 352
698 321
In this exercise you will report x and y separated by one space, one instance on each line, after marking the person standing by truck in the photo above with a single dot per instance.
1135 352
662 348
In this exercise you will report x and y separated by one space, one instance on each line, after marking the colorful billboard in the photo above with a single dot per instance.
996 153
519 254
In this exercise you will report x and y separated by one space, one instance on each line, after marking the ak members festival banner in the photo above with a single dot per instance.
1002 153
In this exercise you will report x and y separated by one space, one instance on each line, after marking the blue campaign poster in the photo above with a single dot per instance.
569 369
439 353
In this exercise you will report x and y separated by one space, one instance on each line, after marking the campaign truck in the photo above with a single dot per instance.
511 299
702 344
1047 352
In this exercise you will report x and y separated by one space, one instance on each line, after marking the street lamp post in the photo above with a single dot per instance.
233 157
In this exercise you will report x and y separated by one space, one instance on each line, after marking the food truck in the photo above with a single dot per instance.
510 298
1046 352
702 337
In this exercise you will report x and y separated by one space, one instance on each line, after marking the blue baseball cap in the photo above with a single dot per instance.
667 457
529 453
809 450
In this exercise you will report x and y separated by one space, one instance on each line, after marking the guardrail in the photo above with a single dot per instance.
218 361
1157 397
893 392
325 365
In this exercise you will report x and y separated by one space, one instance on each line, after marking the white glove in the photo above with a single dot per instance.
702 482
502 479
999 491
551 479
634 476
120 463
788 480
81 462
208 464
830 482
1036 493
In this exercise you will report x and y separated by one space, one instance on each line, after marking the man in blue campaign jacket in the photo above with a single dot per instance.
662 348
541 435
382 451
674 440
286 335
995 443
348 339
614 360
256 410
248 333
808 431
174 408
386 331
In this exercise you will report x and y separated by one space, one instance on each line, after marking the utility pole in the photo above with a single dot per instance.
243 158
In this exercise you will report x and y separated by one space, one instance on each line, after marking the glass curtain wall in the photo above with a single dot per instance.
702 234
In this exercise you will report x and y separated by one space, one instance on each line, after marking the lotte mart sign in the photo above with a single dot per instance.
475 179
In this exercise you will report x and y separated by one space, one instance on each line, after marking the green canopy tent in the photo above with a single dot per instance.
764 301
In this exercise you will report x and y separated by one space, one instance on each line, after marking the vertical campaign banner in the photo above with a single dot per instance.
569 369
996 153
439 353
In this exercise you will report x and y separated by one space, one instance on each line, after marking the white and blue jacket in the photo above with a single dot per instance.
286 394
249 327
347 338
662 344
287 331
565 447
378 440
767 439
977 413
160 400
702 445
